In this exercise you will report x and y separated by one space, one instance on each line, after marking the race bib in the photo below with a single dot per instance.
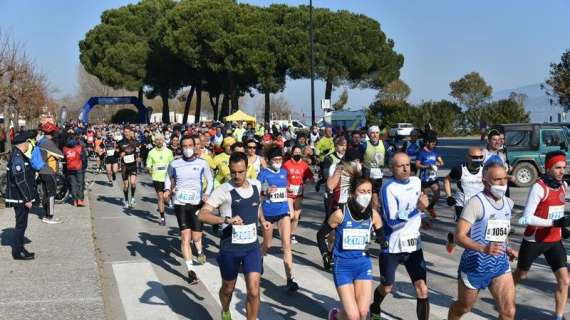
110 152
188 196
432 172
279 195
244 234
355 239
555 212
296 190
129 158
497 230
376 173
160 169
409 242
149 146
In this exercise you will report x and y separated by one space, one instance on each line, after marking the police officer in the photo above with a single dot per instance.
21 192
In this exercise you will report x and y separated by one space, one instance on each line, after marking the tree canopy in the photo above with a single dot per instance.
560 80
229 49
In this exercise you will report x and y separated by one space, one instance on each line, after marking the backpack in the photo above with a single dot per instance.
73 158
37 161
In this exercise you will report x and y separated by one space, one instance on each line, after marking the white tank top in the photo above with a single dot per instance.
257 164
470 184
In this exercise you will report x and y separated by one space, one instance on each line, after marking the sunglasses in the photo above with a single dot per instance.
251 147
476 157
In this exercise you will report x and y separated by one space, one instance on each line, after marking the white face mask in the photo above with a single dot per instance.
276 166
188 152
498 191
364 200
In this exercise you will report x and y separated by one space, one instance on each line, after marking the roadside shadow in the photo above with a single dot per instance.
143 214
7 238
147 184
118 201
103 183
156 249
149 199
525 312
177 298
298 300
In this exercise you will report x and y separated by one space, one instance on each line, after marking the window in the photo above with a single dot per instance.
518 138
552 138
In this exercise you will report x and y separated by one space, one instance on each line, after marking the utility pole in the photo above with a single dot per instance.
311 36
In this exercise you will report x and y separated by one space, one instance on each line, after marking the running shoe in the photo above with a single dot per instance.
333 314
133 203
450 246
432 213
201 259
51 220
375 316
226 315
125 204
162 222
294 240
292 286
192 278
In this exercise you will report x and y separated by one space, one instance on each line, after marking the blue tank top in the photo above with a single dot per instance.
352 236
274 204
495 221
247 209
427 158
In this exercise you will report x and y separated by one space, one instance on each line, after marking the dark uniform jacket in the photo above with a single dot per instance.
21 183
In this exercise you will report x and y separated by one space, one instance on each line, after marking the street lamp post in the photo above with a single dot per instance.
312 62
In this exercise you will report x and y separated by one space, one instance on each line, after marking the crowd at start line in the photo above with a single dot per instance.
246 180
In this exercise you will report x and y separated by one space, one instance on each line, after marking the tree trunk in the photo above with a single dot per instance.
328 89
17 120
187 104
6 128
267 108
214 105
165 108
198 102
233 94
225 107
140 94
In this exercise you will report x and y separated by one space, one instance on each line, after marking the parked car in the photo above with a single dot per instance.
401 130
527 145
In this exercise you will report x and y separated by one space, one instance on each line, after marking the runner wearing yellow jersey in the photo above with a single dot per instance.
157 163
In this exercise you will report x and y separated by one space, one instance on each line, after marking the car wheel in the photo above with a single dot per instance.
525 174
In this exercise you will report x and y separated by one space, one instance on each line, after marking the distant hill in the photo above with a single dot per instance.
537 103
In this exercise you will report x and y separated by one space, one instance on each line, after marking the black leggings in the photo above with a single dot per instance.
49 189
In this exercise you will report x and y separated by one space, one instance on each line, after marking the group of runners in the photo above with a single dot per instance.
256 180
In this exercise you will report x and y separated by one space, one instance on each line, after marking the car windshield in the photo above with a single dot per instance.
566 132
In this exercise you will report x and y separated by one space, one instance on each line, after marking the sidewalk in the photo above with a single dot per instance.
63 281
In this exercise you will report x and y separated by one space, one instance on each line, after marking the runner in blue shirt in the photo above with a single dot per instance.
428 162
276 210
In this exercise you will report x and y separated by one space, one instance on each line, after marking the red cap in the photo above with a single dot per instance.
49 128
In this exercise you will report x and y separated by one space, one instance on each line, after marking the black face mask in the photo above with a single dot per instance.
551 182
474 164
297 157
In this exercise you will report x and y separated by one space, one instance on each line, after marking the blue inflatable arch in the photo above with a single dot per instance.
93 101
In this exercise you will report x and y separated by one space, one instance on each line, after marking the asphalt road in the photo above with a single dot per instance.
143 274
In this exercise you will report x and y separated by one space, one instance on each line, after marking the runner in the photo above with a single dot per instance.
157 162
412 148
469 179
99 153
544 215
483 231
403 203
128 155
298 173
352 273
428 162
111 152
375 156
238 201
254 160
184 182
275 210
493 150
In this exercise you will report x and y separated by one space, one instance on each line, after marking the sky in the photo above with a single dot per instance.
509 42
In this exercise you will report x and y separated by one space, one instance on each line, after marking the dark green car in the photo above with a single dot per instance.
528 143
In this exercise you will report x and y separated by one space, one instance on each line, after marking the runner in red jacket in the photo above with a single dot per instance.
299 173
